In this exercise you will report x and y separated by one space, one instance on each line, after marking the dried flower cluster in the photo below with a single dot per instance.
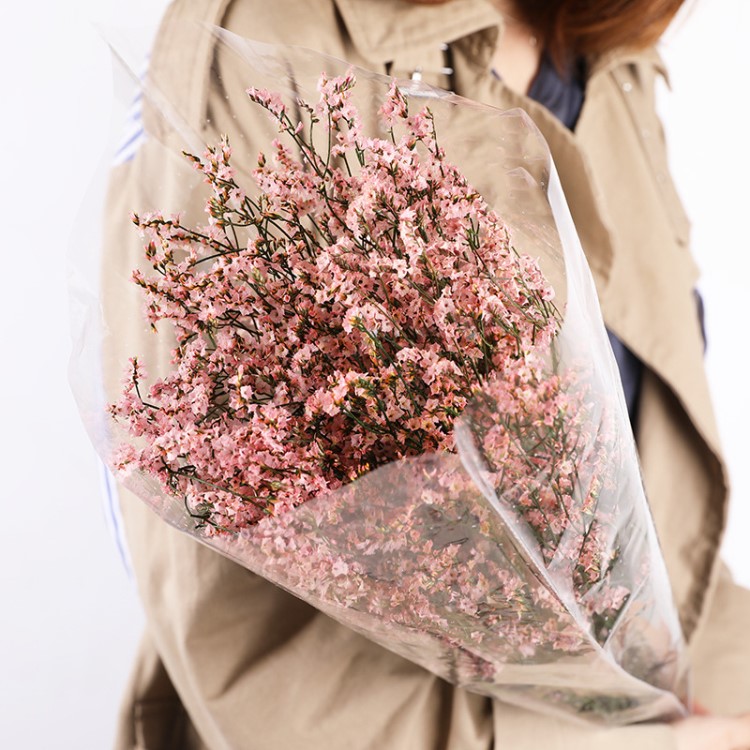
339 321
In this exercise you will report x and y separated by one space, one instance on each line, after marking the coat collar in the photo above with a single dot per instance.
382 29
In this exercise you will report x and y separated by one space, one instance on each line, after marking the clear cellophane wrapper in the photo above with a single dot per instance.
433 556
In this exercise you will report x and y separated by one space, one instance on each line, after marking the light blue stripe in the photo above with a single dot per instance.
114 518
135 133
128 150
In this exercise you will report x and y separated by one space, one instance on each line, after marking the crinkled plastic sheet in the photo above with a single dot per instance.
494 576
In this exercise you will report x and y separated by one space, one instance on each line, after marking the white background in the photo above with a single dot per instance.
70 619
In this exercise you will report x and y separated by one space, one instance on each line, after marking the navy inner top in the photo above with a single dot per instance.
563 96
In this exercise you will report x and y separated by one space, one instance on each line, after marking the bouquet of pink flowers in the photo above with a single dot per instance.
378 402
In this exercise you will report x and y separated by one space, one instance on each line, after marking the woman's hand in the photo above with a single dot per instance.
703 732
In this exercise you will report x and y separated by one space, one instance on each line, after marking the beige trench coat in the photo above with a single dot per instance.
229 661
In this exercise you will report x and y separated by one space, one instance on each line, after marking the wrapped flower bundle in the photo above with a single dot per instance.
380 404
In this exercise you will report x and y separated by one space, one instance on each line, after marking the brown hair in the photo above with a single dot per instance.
575 28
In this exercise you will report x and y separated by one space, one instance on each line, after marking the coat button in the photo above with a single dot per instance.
627 87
